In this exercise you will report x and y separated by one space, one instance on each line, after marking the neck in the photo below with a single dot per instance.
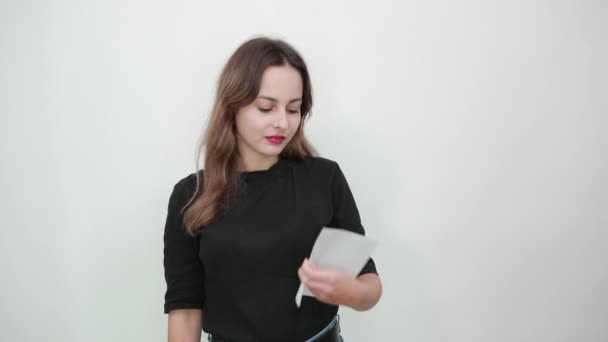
255 164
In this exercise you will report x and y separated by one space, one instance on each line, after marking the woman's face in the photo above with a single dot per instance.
267 125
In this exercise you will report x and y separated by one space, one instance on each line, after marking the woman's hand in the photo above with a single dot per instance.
328 285
338 288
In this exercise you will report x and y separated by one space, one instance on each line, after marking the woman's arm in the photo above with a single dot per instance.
332 286
185 325
366 292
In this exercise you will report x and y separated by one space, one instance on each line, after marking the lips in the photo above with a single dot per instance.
275 139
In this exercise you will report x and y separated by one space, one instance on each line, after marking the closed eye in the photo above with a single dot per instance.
266 110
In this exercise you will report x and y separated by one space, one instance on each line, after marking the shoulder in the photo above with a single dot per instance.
317 172
185 187
189 181
316 165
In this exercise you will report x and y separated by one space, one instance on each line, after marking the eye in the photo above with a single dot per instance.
293 111
265 110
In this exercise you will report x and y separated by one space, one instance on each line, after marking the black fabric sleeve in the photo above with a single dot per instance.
184 273
346 214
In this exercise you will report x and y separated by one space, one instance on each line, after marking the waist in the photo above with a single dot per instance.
331 333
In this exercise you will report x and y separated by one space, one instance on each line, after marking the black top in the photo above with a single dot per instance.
242 270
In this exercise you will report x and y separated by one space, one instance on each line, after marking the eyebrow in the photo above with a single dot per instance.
275 100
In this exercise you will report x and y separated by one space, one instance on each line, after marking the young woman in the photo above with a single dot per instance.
238 233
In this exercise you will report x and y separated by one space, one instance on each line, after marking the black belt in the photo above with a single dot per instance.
332 335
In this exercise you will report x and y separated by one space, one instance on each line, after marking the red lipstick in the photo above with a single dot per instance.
275 139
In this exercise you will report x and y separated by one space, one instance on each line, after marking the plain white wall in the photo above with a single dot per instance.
472 134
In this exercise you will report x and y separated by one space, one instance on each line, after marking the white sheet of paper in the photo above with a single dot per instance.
339 249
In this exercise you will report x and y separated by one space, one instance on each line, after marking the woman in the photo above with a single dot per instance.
238 232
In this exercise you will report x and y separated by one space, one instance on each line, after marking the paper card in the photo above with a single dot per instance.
339 249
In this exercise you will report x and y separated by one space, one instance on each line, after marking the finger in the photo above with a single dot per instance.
307 271
303 274
325 275
313 274
304 264
303 267
308 265
319 288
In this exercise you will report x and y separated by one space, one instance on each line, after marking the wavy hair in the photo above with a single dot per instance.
238 86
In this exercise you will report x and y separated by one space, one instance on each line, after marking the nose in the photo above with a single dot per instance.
281 119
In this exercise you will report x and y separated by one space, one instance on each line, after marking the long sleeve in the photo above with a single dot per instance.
184 272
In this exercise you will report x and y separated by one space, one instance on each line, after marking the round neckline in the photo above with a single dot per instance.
261 173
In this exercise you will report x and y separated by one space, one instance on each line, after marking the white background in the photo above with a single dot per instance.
472 134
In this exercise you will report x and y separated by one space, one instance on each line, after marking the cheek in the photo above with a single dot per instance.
294 122
248 123
241 126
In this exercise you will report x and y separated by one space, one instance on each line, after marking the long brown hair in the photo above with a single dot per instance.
238 86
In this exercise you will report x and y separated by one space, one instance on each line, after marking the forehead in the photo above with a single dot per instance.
281 82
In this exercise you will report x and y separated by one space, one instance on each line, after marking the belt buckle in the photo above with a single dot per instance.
338 322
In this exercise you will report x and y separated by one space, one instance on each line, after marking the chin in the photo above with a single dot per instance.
272 152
